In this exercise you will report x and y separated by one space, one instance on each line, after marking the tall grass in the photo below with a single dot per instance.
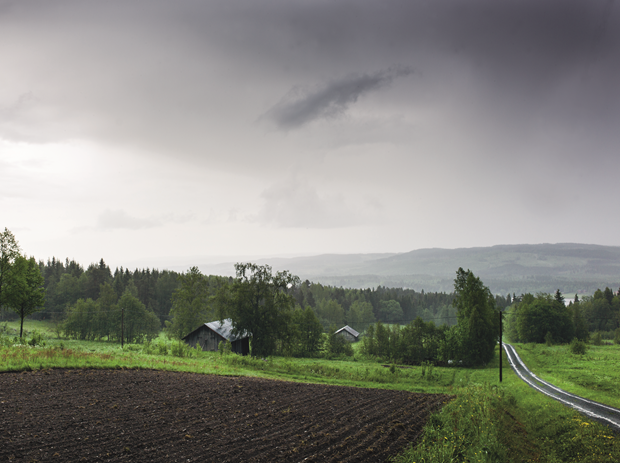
475 426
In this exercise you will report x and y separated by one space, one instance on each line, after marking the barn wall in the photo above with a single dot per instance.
348 336
241 346
209 340
206 338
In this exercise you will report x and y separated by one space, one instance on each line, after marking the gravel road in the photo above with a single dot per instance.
602 413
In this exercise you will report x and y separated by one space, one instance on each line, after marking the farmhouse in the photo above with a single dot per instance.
209 335
348 333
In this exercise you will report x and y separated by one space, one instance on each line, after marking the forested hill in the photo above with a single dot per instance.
572 268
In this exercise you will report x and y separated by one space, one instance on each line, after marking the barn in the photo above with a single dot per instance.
348 333
209 336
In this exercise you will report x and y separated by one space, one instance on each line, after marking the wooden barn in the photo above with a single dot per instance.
209 336
348 333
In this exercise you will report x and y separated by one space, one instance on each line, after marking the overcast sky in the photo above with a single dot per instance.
153 131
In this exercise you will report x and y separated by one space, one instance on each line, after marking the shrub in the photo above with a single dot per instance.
36 339
181 349
148 348
5 341
596 339
577 347
337 345
549 338
162 348
224 347
427 371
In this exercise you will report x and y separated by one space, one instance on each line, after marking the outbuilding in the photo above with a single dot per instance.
348 333
209 336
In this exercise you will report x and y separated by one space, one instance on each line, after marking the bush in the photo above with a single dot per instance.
577 347
162 348
36 339
181 349
5 341
148 348
617 336
549 338
224 347
596 339
337 345
427 371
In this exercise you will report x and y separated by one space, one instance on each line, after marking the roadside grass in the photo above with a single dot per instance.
595 375
485 422
511 422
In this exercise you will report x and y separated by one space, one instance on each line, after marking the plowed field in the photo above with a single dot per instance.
143 415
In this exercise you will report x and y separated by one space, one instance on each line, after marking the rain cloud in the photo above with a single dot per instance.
302 106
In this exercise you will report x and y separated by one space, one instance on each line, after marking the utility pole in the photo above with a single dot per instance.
501 347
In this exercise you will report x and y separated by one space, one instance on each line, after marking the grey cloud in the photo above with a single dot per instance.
299 106
174 77
19 113
119 219
297 204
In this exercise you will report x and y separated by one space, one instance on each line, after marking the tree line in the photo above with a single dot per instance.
469 342
547 318
67 282
96 303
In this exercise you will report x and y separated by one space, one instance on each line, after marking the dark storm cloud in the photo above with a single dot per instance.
158 74
300 106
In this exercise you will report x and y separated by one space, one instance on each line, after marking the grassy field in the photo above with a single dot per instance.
486 422
595 375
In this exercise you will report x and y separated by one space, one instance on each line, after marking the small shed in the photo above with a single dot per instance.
348 333
209 336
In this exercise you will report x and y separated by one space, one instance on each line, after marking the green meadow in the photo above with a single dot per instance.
595 375
487 421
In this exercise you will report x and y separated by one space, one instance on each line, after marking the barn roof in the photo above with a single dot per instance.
223 328
348 329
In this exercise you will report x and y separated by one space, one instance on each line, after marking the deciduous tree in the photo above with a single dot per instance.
190 304
309 331
476 319
9 251
258 304
360 316
25 291
139 323
390 311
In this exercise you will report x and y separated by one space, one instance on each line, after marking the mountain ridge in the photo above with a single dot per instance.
506 268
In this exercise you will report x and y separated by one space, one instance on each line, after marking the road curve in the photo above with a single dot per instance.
602 413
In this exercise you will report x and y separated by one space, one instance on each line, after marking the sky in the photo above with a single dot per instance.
154 132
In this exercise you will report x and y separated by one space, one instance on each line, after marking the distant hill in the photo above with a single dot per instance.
572 268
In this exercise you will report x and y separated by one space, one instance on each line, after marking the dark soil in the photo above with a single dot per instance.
144 415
